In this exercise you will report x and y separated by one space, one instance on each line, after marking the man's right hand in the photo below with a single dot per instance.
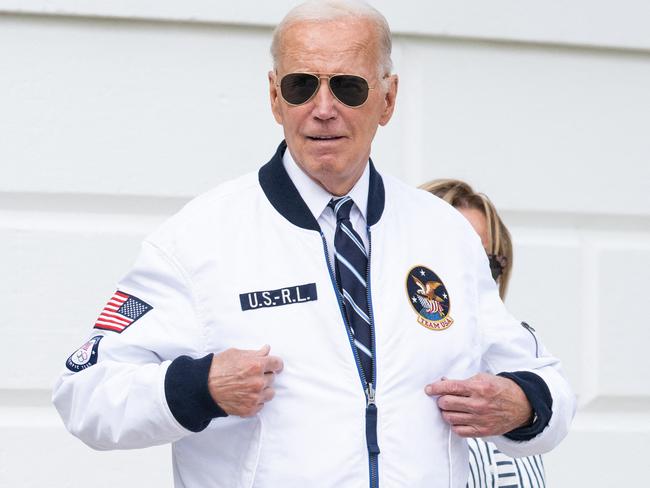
241 381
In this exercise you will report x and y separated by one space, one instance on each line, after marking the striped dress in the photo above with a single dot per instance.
489 467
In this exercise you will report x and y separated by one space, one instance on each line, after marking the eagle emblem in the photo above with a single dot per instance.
429 298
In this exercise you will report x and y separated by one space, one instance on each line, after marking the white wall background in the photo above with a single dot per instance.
113 114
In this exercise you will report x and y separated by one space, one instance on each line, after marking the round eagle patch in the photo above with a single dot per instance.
429 298
85 356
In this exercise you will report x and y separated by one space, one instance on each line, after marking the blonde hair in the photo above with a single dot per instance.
328 10
460 195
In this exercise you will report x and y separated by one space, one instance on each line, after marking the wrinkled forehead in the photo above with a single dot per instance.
333 46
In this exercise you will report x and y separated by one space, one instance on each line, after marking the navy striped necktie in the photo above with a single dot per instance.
351 266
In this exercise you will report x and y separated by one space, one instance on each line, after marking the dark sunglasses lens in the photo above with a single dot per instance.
349 89
495 266
297 88
498 264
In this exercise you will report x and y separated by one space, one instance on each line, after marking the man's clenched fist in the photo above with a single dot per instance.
241 381
483 405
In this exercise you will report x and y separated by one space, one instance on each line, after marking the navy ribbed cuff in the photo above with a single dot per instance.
188 397
540 399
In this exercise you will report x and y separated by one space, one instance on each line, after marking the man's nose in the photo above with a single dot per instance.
324 101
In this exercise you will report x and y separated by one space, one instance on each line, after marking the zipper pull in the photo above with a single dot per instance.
526 326
371 421
370 395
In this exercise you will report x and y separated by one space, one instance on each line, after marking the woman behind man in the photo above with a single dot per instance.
488 466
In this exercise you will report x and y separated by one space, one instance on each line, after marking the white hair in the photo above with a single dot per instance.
328 10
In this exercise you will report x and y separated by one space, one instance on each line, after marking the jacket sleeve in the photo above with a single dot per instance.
512 350
141 383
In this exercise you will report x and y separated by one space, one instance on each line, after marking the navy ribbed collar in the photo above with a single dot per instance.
286 199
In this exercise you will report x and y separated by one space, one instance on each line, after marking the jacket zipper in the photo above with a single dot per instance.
371 407
368 388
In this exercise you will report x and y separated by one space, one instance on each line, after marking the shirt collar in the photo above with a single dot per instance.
316 197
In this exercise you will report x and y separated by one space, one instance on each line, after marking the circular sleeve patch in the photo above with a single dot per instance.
85 356
429 298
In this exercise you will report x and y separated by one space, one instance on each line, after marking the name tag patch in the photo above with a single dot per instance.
281 296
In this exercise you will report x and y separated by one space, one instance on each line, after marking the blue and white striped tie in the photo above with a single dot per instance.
351 263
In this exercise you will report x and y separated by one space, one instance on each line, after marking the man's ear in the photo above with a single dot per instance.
274 95
390 97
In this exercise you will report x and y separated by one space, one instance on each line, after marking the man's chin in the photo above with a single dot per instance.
335 177
326 160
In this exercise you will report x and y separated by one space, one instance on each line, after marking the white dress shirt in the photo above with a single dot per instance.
316 197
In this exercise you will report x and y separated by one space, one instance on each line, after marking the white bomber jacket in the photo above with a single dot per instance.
245 265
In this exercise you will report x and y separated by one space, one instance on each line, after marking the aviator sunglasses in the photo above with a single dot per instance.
497 265
299 88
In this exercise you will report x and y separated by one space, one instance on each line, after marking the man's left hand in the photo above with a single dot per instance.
481 406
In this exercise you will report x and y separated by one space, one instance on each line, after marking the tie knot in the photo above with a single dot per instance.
341 207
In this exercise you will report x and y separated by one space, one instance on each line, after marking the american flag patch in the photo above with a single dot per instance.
121 311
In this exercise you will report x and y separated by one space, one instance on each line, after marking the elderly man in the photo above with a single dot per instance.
327 264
